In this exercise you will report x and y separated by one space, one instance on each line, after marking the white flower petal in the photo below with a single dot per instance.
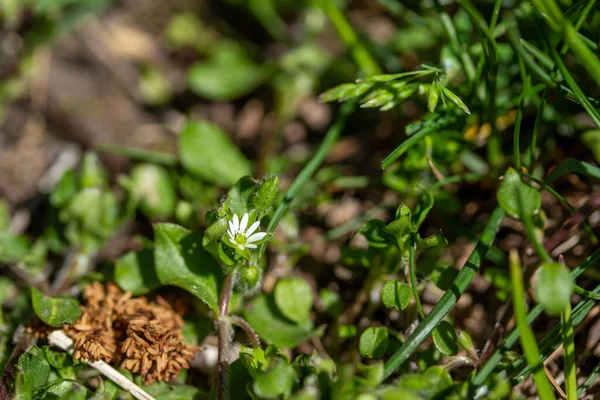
231 227
250 245
236 223
252 228
241 246
256 237
244 223
231 237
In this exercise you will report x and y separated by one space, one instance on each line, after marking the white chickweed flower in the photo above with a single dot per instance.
240 236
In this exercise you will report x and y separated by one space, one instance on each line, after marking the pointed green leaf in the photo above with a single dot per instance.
181 261
456 100
345 91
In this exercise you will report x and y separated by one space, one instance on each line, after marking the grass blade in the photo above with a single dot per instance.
569 353
572 165
528 343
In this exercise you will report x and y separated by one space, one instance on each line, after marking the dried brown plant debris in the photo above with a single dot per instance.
142 336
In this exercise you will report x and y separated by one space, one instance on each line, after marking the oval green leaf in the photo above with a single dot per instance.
134 272
517 197
553 287
55 311
373 342
293 297
266 319
445 339
206 151
180 260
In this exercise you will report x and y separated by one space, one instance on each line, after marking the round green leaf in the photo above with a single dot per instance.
373 342
266 319
553 287
206 151
55 311
517 197
396 295
34 371
293 297
445 339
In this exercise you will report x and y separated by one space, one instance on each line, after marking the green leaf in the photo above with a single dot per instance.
345 91
65 189
553 287
293 297
265 193
437 239
92 173
396 295
433 96
373 342
239 197
570 165
55 311
34 371
134 272
515 195
434 383
64 389
227 75
591 139
276 382
13 247
377 98
152 186
181 261
401 228
266 319
445 339
184 392
422 209
443 276
374 231
213 234
456 100
208 152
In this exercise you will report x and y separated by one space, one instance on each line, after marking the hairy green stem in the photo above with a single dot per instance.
413 279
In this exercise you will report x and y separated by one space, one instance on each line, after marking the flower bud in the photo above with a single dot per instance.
249 278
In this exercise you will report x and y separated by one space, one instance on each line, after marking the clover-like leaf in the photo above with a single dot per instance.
396 295
373 342
55 311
